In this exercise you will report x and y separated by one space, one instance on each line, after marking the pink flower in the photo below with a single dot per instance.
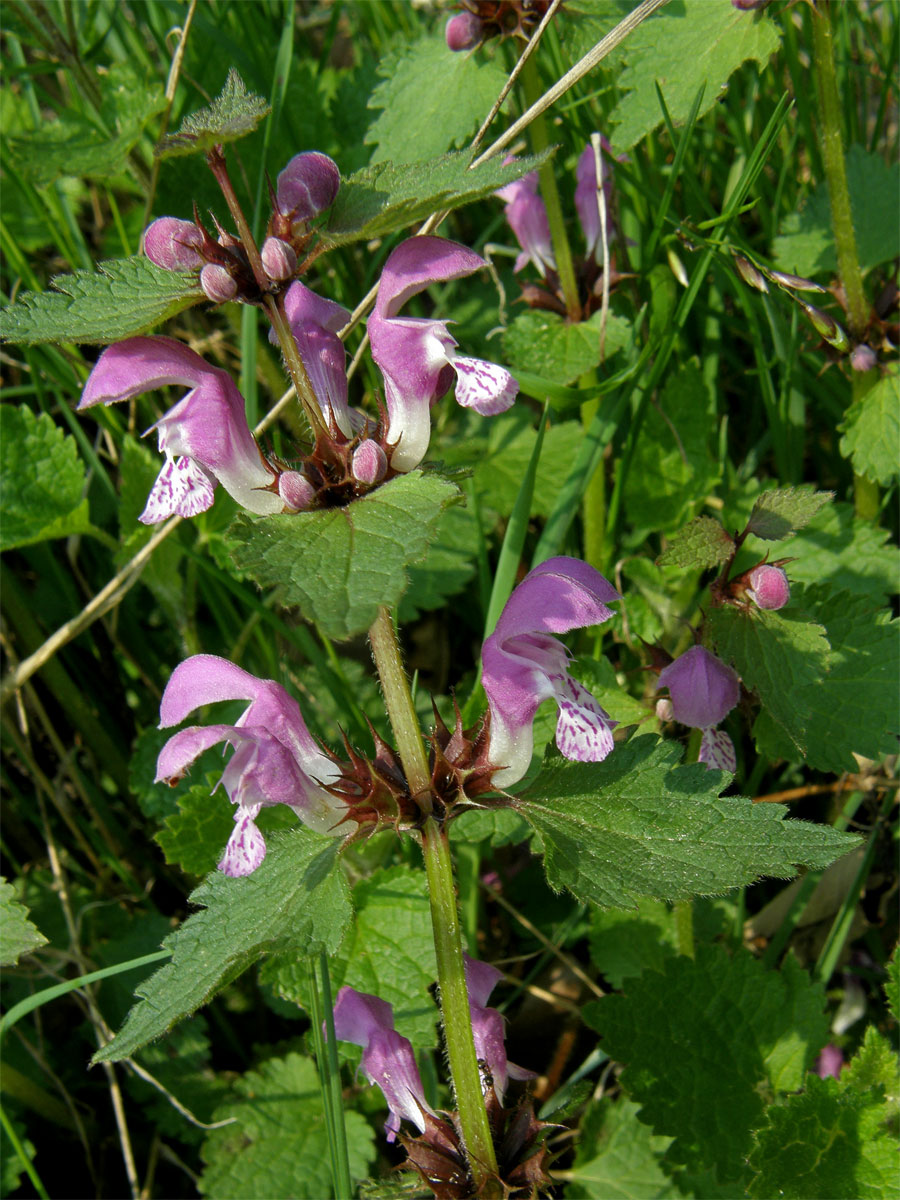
315 323
527 218
703 692
205 436
586 196
524 665
417 356
275 760
488 1027
174 244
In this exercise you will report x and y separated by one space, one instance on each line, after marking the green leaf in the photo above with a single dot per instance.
233 114
618 1157
42 480
701 543
673 469
123 297
852 708
387 196
844 551
18 935
783 511
545 344
496 826
448 566
278 1145
428 89
702 1040
625 944
874 1066
830 1140
776 655
871 431
892 985
638 825
296 901
388 952
91 149
714 39
806 243
339 565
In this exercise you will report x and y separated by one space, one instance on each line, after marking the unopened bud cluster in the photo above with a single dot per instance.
483 20
306 187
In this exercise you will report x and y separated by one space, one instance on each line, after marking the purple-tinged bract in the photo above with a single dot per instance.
275 759
523 664
205 436
417 356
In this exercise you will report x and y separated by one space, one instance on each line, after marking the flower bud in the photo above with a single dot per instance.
768 586
307 185
796 282
750 274
217 283
828 329
664 710
369 462
464 31
863 358
174 244
676 266
278 259
296 491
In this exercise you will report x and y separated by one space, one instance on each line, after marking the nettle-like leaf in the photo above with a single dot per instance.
781 512
441 95
776 655
845 551
702 1040
18 935
833 1139
546 345
388 952
448 565
638 824
714 38
278 1144
892 984
806 242
701 543
42 480
384 197
296 901
871 431
123 297
233 114
852 708
618 1157
339 565
88 148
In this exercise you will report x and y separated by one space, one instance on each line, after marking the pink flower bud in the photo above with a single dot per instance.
369 462
464 31
769 586
173 244
664 710
296 490
307 185
217 283
830 1062
863 358
278 259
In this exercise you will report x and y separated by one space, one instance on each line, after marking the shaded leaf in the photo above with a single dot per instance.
18 935
233 114
783 511
701 543
42 480
871 431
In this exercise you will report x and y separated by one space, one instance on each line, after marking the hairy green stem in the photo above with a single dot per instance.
473 1119
215 160
295 366
836 170
540 140
457 1019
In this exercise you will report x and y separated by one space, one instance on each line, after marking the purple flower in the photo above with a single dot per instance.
586 196
275 760
314 323
416 355
523 665
527 218
205 436
464 31
488 1028
307 185
830 1062
703 691
387 1059
768 586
